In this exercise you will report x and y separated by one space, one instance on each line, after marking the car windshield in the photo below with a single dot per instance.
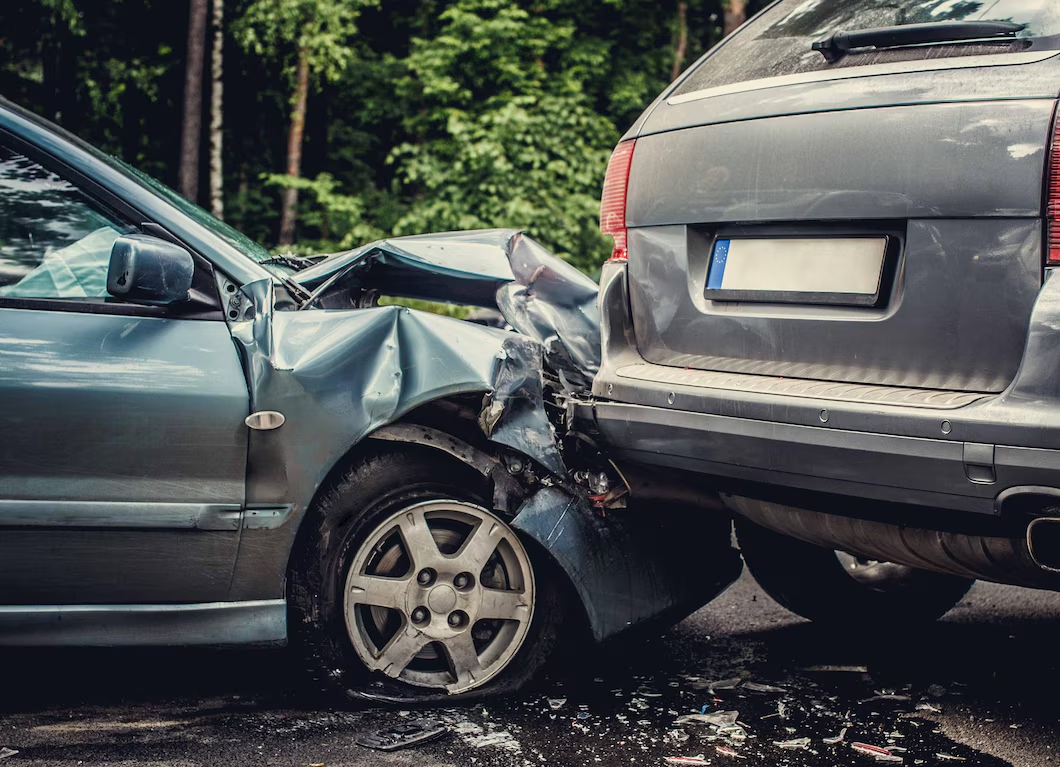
778 41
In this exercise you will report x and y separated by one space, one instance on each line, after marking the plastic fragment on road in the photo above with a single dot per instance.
556 703
928 707
885 696
880 754
724 684
837 669
715 718
583 715
726 751
794 744
836 738
943 757
686 760
6 752
766 688
404 735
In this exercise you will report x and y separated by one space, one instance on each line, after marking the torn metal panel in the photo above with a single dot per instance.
539 295
636 565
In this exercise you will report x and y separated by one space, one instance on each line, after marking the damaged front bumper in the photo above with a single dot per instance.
343 369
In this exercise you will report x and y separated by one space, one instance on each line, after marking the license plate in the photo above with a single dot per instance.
840 270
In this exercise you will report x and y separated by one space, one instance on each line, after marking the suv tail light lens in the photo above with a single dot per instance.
1052 204
613 199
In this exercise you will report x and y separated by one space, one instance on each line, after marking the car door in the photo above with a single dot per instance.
122 442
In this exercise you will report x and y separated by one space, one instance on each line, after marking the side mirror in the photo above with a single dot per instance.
145 268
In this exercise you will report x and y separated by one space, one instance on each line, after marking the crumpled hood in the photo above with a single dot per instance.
539 295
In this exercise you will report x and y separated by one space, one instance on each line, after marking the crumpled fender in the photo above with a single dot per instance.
643 565
540 295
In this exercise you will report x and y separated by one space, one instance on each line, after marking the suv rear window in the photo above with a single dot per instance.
777 42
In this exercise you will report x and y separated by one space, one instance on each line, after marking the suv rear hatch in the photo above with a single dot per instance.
876 220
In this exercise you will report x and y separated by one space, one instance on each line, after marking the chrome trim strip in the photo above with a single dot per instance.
871 70
209 623
835 391
136 514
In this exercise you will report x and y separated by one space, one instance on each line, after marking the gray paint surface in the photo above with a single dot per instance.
117 411
956 318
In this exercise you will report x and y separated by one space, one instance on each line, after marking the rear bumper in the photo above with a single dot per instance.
969 457
905 470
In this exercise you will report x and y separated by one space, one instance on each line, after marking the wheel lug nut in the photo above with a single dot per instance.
425 577
455 619
460 581
419 615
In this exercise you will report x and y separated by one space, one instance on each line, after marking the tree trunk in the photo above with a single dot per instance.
681 48
294 147
192 126
217 111
735 15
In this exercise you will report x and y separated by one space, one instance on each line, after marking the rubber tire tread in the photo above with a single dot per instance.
372 488
811 581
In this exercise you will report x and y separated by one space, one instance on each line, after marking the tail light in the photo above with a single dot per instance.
1052 204
613 199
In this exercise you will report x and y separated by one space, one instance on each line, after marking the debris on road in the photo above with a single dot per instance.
928 707
686 760
766 688
6 752
942 757
880 754
404 735
723 684
836 738
717 718
726 751
795 744
556 703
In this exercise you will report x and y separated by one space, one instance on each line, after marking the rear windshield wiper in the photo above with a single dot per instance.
840 43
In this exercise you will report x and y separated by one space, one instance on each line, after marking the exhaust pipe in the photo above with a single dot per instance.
1031 559
1043 542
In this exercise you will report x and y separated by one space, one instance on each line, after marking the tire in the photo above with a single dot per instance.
380 602
831 587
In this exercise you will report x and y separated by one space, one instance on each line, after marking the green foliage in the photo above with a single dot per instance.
425 114
322 29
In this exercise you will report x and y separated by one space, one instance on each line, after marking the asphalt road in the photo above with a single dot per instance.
980 686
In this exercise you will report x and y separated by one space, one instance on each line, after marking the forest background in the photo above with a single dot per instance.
319 125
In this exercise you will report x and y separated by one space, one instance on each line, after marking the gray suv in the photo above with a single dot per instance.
831 297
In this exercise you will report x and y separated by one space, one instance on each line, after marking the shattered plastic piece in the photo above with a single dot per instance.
880 754
583 715
837 738
793 744
734 732
759 687
678 736
928 707
556 703
403 735
726 751
716 718
6 752
885 696
724 684
950 758
686 760
838 669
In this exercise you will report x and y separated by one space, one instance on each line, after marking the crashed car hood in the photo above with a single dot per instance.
538 294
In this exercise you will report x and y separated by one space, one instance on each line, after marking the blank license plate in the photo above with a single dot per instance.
842 270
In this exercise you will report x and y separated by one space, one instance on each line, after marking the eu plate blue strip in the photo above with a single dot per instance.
717 265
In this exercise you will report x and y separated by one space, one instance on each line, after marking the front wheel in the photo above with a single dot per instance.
830 586
404 577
